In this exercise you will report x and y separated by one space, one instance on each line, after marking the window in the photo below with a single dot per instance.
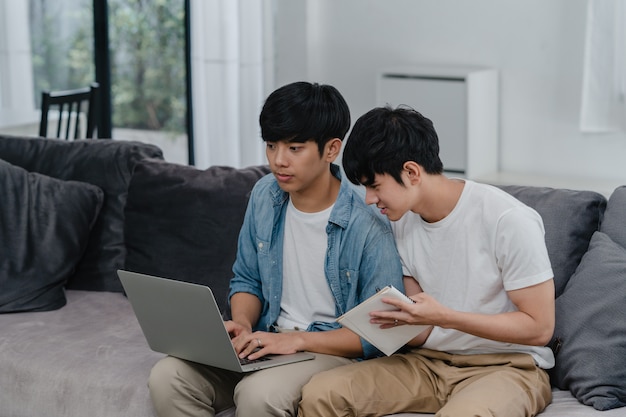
145 74
148 73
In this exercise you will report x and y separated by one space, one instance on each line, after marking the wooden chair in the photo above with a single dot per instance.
72 115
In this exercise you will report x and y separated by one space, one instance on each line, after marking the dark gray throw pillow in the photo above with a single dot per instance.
44 229
591 327
570 217
107 164
183 223
615 216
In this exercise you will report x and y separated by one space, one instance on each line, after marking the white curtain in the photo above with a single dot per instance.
16 71
232 68
604 77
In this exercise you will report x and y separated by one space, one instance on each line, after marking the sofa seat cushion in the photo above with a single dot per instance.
108 164
44 229
183 223
563 405
88 358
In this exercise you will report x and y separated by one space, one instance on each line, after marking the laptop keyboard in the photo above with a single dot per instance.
246 361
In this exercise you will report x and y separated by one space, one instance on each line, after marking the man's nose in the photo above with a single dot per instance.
370 196
280 156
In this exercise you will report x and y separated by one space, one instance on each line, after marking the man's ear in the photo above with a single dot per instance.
332 149
413 171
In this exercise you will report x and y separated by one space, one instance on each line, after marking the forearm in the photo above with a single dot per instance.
513 327
420 339
245 309
532 323
412 287
339 342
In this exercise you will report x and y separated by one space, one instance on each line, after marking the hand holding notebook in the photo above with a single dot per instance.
386 340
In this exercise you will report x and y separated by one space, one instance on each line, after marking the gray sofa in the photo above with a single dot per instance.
72 213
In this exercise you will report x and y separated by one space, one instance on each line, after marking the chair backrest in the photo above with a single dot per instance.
70 108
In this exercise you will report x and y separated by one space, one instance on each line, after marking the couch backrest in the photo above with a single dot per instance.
183 223
109 165
614 223
570 217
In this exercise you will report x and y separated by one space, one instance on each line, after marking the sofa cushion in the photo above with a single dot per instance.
591 327
570 217
107 164
183 223
615 216
87 359
44 229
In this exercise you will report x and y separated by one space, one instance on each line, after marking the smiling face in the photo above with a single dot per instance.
392 198
298 167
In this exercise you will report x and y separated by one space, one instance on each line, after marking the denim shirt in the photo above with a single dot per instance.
361 255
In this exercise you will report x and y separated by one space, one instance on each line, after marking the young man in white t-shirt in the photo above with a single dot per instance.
476 265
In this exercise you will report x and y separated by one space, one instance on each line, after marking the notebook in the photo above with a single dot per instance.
388 340
183 320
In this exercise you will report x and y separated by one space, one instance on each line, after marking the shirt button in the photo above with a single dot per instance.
348 274
260 245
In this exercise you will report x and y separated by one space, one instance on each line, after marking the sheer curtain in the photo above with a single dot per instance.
604 78
232 72
16 76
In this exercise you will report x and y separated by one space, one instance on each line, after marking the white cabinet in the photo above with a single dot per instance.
462 103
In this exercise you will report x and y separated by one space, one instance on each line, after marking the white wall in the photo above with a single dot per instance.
536 45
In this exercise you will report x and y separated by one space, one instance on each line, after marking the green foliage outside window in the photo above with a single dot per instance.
147 44
61 45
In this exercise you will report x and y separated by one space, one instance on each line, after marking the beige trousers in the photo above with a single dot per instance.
494 385
180 388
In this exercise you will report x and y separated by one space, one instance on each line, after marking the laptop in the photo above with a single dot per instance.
183 320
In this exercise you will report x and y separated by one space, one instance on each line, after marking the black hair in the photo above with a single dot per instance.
302 111
383 139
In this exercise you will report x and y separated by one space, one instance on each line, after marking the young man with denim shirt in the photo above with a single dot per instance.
309 250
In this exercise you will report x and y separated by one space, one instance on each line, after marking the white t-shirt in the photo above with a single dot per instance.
489 244
306 295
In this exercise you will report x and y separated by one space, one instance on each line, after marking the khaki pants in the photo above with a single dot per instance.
500 385
180 388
